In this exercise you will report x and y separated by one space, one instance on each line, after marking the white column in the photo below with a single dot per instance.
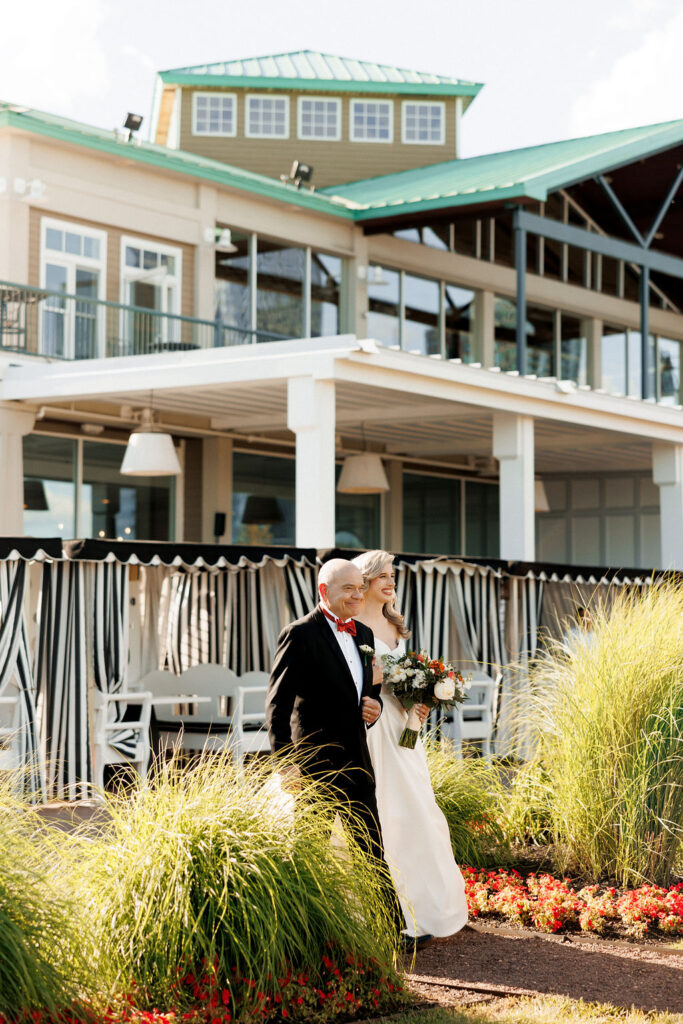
592 331
667 473
484 328
205 256
311 416
513 446
216 486
14 424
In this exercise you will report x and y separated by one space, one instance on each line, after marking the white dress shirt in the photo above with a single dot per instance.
350 652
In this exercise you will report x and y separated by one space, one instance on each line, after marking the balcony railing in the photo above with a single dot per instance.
39 322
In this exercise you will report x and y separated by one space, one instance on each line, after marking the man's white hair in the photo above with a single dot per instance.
330 569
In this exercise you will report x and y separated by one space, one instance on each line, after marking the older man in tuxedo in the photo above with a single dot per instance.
322 699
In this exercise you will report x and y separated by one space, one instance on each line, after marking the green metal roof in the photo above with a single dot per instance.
175 160
515 174
308 69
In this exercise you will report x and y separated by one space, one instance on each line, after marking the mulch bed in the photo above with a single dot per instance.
503 962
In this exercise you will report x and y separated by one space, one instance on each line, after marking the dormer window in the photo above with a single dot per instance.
319 118
372 121
267 117
423 123
214 113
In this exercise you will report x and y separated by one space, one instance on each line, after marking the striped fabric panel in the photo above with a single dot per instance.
15 666
61 678
108 583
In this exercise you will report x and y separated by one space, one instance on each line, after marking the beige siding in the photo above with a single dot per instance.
333 162
114 234
165 110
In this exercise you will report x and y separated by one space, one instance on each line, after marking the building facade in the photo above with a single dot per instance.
483 325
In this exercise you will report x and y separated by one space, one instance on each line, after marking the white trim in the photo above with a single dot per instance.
372 142
70 262
173 137
423 103
232 96
323 99
249 134
128 274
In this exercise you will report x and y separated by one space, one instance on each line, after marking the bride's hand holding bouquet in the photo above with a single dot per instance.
416 679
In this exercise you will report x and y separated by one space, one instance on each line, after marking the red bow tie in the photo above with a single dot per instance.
342 627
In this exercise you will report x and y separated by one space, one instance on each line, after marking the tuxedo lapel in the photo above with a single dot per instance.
331 641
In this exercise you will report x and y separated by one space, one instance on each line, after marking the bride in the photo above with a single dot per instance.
417 843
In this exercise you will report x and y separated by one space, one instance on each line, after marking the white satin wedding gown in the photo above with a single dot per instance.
417 843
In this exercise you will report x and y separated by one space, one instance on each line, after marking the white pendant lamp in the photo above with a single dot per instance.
541 503
150 451
363 474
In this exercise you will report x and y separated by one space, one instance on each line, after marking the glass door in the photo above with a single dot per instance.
72 265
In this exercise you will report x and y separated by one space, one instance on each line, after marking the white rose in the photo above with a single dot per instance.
444 690
410 671
419 680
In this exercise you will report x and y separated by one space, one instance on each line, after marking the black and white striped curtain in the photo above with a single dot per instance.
435 597
15 668
524 614
62 681
233 617
108 584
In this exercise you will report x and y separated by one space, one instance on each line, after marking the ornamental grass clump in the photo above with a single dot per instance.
471 793
608 709
215 888
44 954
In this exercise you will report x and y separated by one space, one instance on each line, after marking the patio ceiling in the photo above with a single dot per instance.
436 430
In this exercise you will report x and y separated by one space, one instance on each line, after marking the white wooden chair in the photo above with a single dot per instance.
249 733
106 728
193 711
9 731
255 679
475 718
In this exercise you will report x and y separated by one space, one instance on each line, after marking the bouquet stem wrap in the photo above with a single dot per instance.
409 735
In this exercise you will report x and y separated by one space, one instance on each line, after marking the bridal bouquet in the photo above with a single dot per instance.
415 678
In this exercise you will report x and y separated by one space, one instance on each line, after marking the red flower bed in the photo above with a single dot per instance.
553 905
344 989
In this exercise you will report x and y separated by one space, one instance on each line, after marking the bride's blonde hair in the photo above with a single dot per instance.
372 564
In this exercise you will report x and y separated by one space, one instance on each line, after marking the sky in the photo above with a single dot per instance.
550 70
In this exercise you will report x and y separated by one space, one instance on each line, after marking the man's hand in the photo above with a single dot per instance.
377 673
290 778
422 711
370 710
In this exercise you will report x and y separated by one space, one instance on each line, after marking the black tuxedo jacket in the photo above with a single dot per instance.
313 704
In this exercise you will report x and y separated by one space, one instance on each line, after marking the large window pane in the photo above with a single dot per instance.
357 519
431 515
669 371
263 510
482 520
49 488
459 315
232 292
635 369
614 359
383 300
421 305
280 282
540 337
573 347
326 274
119 506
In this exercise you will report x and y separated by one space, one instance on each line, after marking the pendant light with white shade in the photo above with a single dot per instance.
150 450
363 474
